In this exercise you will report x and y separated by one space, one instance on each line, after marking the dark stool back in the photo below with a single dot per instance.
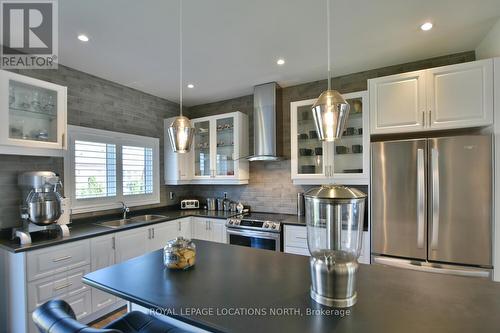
56 316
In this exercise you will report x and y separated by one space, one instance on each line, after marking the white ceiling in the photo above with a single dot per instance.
232 45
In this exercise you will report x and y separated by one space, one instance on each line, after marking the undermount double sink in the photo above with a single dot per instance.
133 220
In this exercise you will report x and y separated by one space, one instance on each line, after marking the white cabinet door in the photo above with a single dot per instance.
217 230
32 115
131 243
460 95
351 154
199 227
102 255
309 156
397 103
161 233
184 228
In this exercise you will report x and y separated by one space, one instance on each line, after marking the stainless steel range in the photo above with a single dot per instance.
258 230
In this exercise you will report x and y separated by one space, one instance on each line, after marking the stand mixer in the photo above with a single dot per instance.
42 208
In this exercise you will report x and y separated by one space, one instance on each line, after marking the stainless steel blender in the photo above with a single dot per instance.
334 217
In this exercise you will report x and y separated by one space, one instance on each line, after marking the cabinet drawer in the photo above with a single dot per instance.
60 285
296 236
101 299
297 250
46 262
81 304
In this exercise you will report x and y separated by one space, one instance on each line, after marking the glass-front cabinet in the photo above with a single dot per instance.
32 115
201 147
220 146
344 161
224 164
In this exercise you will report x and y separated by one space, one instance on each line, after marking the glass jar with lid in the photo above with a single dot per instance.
334 218
179 253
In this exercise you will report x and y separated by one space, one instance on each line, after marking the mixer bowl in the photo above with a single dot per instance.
44 208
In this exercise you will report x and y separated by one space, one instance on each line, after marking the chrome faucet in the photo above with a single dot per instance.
125 210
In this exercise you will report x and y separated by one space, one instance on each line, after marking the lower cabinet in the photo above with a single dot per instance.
295 242
160 234
131 243
35 277
102 255
209 229
81 305
184 227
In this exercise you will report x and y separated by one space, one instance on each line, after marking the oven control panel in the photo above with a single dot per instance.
254 225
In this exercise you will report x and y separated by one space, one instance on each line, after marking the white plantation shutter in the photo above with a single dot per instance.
137 165
104 168
95 170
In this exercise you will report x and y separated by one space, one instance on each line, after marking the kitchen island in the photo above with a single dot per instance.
239 289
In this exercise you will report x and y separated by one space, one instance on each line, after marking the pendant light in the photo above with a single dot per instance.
181 131
330 111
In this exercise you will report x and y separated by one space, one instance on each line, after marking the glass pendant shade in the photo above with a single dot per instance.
330 114
181 133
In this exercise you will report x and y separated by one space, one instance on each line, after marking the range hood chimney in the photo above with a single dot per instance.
267 123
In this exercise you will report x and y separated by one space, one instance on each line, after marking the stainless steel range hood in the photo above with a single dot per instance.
267 123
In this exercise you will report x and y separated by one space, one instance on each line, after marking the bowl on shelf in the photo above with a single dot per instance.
357 149
352 171
308 169
341 150
349 131
305 152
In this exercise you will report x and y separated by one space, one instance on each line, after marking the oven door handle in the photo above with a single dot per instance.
252 233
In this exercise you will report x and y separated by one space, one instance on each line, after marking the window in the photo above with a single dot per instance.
95 170
137 164
104 168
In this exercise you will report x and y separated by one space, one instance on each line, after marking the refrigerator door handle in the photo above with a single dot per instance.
420 198
435 198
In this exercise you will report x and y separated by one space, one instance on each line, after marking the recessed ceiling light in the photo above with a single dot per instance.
280 61
426 26
190 86
83 38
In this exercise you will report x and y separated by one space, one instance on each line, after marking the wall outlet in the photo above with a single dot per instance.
171 195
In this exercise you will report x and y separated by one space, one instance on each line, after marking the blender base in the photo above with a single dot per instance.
334 302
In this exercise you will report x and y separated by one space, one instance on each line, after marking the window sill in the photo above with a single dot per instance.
100 207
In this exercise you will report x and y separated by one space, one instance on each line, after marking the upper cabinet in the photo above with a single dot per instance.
32 116
217 154
455 96
343 162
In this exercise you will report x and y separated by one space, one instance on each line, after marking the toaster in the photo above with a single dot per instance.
190 204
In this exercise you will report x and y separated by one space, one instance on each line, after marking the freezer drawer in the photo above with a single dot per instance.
399 213
460 200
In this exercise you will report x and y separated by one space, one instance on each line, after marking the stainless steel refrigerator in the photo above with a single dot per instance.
432 204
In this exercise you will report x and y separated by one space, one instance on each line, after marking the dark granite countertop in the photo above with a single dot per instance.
230 283
86 227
